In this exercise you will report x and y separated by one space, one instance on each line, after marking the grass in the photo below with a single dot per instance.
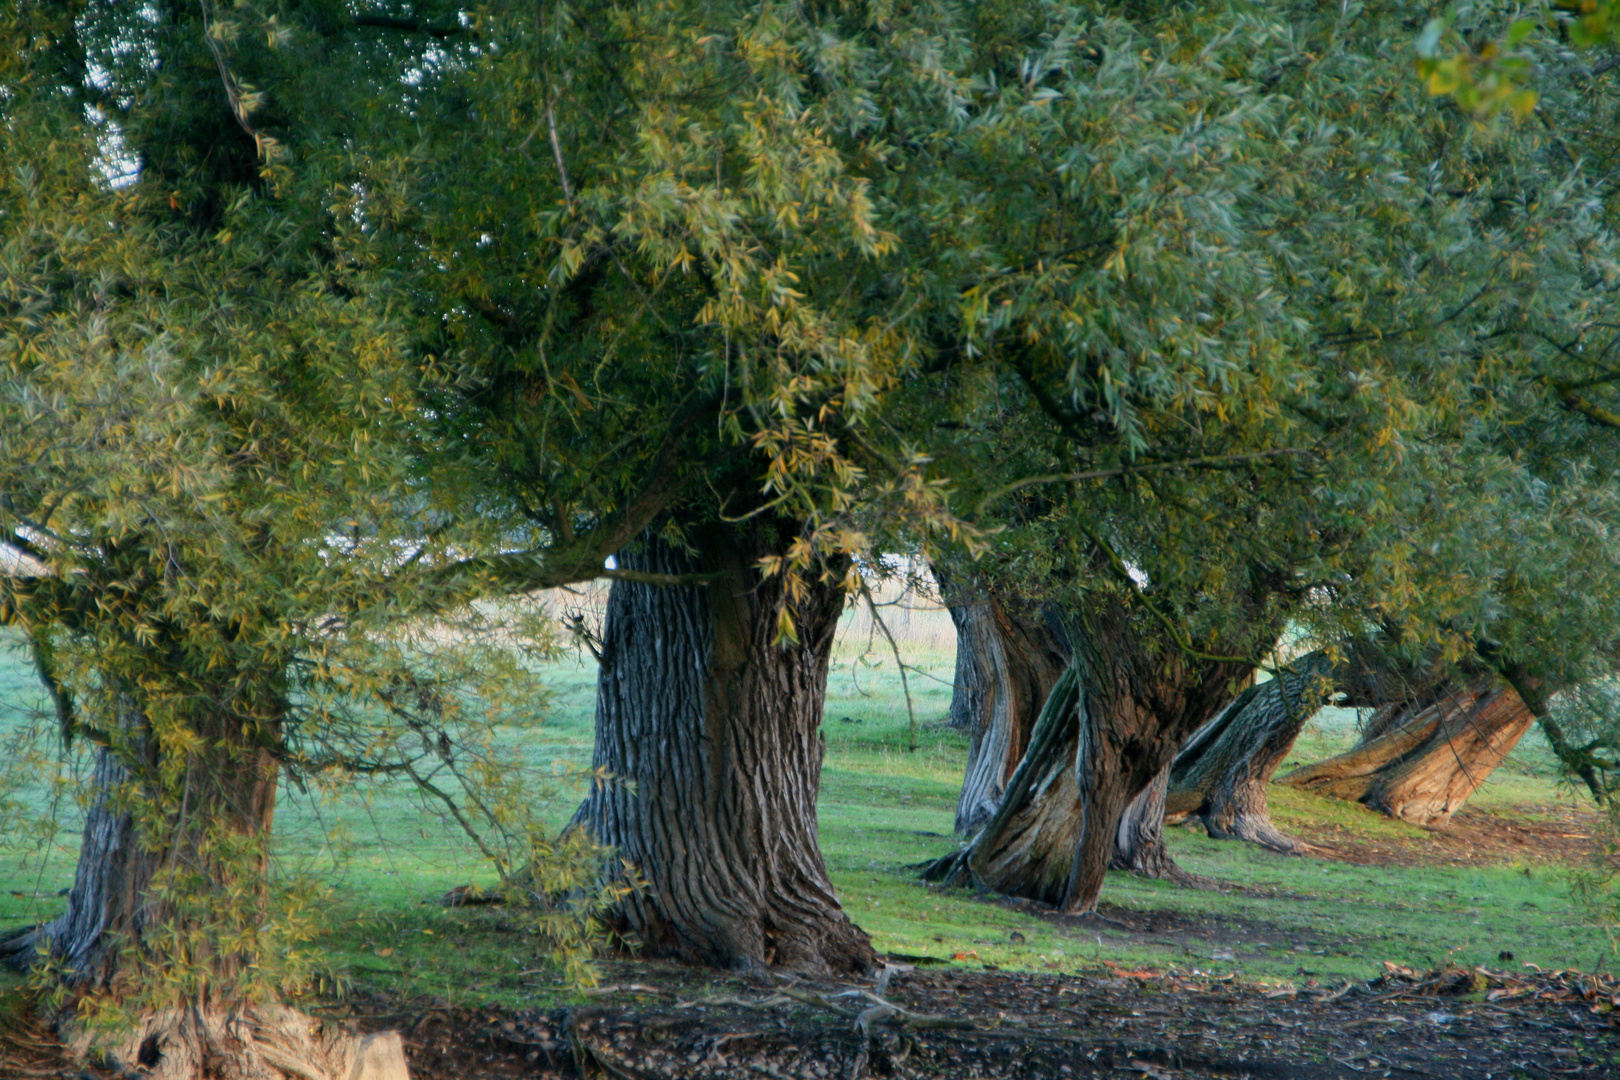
887 802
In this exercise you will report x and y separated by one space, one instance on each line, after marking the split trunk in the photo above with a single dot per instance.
1421 762
1007 661
711 731
1110 726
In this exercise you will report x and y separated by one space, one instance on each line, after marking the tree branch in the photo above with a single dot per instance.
410 25
1219 462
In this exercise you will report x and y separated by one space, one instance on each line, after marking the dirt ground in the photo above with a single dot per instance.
670 1022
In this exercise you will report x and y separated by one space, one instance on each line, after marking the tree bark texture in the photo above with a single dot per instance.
1139 839
712 731
1007 662
1221 775
1421 763
198 827
226 790
1126 704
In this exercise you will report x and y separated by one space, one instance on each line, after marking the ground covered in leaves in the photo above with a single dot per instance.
674 1022
664 1020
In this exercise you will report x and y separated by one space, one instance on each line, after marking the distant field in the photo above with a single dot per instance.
887 802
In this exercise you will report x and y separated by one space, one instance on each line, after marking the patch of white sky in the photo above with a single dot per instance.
117 165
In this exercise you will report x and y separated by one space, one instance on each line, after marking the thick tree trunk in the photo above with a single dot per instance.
111 894
716 728
1420 764
173 861
1221 775
1139 840
1112 723
1007 662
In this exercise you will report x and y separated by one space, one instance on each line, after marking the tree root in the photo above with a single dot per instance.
265 1042
1260 830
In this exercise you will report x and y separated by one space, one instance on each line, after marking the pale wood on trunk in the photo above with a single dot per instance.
1007 661
1112 723
1421 764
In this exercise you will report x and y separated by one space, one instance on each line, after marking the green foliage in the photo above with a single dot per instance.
312 322
212 494
1486 75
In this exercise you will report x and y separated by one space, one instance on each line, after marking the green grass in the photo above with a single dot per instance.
888 800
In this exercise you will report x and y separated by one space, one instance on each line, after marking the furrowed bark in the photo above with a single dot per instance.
1139 840
717 728
144 846
1007 662
1221 775
1420 764
1126 705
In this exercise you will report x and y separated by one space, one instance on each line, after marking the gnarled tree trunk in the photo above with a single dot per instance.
195 856
1007 662
716 727
1421 763
1222 773
1112 723
1139 840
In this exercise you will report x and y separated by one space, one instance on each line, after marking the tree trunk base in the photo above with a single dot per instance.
1152 860
267 1042
1258 829
1139 839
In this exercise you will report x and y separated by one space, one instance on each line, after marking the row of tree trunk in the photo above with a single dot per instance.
1058 766
1087 733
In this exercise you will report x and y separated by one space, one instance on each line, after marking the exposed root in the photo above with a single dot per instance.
1258 829
953 869
1152 860
20 951
267 1042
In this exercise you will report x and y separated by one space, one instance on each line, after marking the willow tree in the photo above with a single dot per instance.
211 447
1262 395
618 257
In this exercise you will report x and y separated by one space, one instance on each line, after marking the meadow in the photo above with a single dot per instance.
1399 893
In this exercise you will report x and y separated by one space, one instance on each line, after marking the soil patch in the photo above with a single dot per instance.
1012 1024
665 1021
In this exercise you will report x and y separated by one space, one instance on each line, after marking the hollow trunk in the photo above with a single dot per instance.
1139 840
1007 662
1221 775
1112 723
1421 763
716 729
